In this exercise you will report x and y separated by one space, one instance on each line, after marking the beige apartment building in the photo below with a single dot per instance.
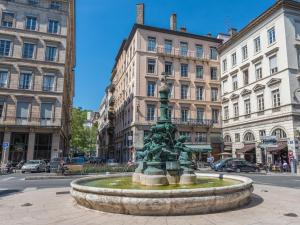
37 59
191 63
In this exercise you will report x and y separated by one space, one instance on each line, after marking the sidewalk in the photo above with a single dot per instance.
269 206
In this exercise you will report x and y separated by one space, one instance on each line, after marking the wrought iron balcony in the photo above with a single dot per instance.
182 53
182 121
30 121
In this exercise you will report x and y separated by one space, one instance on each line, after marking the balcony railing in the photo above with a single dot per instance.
31 121
182 53
181 121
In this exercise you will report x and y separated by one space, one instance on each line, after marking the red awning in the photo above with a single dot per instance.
246 148
280 146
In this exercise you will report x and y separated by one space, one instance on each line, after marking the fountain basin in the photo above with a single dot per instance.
163 202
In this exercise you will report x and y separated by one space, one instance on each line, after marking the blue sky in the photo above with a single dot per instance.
101 25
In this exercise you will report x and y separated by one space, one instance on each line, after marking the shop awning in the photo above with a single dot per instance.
246 148
280 146
200 148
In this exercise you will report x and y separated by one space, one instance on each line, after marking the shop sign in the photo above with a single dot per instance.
268 142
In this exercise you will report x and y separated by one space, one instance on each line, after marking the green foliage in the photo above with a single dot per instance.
83 138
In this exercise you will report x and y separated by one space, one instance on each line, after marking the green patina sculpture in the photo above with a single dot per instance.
161 145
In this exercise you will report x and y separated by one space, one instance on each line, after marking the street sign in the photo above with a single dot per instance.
5 145
268 142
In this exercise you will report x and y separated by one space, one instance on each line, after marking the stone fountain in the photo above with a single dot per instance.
164 159
164 183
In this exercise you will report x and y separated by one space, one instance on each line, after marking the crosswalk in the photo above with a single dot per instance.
10 178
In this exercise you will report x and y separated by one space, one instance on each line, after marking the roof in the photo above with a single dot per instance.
262 17
126 42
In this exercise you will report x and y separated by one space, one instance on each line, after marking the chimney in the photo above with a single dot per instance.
140 13
173 22
232 31
183 29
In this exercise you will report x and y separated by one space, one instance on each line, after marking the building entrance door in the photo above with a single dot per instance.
18 147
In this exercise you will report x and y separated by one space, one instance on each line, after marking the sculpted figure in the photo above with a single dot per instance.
185 152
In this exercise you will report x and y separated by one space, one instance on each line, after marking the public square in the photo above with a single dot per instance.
48 201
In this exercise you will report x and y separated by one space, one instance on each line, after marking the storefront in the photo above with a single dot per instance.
202 152
18 147
42 147
276 156
247 152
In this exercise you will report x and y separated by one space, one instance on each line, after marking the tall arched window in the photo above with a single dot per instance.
227 139
249 137
279 133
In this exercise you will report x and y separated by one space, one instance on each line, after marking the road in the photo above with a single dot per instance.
16 182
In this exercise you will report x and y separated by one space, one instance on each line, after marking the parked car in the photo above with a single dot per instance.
240 165
34 166
96 160
112 162
218 165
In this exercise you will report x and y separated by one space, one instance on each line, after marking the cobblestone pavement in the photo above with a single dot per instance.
269 206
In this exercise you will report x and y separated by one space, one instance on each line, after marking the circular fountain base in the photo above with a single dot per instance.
164 202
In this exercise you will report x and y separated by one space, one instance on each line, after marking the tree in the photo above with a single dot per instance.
83 138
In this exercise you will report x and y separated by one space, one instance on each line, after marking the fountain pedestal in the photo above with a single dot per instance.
154 175
188 176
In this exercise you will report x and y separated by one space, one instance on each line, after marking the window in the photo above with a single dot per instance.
224 86
213 53
199 51
237 138
7 19
213 73
5 47
55 5
245 52
271 35
224 63
151 44
184 115
151 66
3 78
43 146
226 113
199 93
297 29
46 113
168 68
214 94
184 91
187 135
227 139
33 2
199 72
170 110
168 46
298 57
200 114
236 110
48 82
246 77
262 133
53 26
273 64
25 80
257 46
247 107
150 112
234 82
260 103
215 115
30 23
258 71
170 86
50 54
28 50
249 137
151 88
201 137
276 98
184 69
233 59
1 108
183 48
279 133
22 113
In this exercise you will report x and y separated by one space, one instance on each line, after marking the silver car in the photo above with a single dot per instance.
34 166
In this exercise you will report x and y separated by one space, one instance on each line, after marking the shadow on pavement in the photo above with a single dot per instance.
255 201
4 193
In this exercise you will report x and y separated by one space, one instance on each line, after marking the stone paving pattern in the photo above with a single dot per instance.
268 207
